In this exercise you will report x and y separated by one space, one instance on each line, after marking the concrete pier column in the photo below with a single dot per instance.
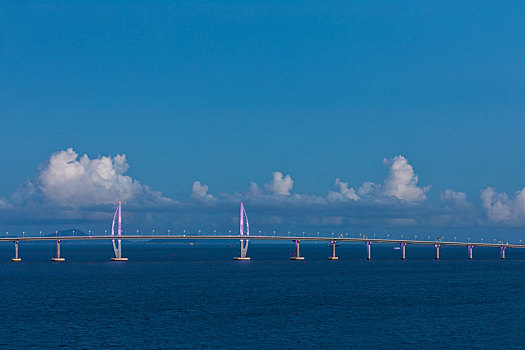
297 252
502 252
58 257
469 252
333 257
16 258
403 251
368 250
118 251
242 254
437 251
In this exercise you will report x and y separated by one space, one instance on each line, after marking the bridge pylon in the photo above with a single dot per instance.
117 248
244 229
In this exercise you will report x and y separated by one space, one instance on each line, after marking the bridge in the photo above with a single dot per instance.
244 237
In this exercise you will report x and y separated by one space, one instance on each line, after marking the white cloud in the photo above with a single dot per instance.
401 181
280 185
453 197
276 193
368 189
344 192
253 190
200 192
501 208
69 180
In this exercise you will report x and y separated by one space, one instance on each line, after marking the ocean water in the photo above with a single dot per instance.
182 296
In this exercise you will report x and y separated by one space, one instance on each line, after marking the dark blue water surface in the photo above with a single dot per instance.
181 296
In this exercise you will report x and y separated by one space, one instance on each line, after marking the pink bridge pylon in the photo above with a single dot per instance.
117 248
244 229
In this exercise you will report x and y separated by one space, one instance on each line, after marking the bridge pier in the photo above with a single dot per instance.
242 255
58 257
119 257
437 251
333 257
403 251
118 251
368 250
16 258
469 248
297 253
502 252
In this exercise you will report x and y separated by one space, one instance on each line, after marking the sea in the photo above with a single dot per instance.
182 296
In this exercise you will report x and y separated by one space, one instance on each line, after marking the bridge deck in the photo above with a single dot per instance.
253 238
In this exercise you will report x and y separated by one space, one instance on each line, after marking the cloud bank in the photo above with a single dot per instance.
76 187
453 197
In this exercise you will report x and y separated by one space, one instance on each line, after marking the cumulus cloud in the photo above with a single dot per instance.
368 189
344 192
500 208
200 192
276 193
280 185
453 197
69 180
253 190
401 181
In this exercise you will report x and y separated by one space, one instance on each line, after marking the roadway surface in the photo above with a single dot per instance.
255 238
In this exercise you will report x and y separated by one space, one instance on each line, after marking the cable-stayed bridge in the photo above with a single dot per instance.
116 237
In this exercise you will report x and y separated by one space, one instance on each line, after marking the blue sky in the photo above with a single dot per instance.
226 93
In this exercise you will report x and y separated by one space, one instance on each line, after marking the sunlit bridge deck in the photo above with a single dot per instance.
256 238
297 239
